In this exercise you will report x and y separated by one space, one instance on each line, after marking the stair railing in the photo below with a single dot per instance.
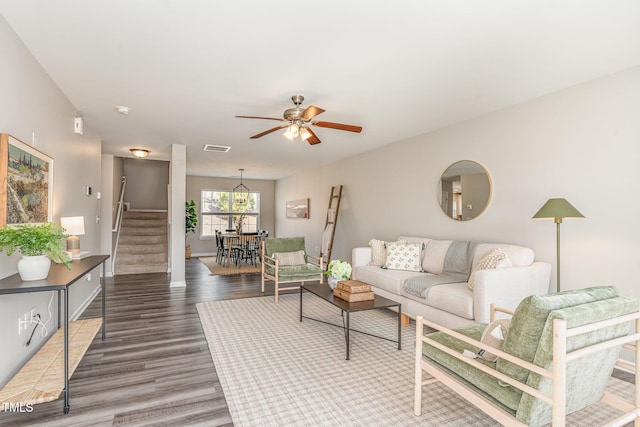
118 223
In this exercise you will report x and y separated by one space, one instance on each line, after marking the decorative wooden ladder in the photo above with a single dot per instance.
330 225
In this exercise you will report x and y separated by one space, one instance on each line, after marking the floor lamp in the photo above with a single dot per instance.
558 209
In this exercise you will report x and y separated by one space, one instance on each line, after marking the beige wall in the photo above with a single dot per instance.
147 182
579 143
195 184
31 104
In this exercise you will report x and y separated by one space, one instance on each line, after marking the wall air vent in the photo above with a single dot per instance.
217 148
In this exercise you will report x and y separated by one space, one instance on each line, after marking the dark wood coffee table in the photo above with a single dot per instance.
324 291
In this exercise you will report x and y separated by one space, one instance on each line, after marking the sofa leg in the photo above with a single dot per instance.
404 319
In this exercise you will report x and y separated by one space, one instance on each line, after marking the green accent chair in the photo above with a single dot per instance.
272 269
557 357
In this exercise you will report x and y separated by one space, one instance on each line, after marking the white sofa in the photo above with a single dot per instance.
454 305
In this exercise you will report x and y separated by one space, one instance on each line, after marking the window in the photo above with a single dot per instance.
218 211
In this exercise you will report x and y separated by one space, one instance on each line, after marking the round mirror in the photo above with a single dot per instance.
464 190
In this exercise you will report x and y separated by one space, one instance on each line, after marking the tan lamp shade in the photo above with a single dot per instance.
73 225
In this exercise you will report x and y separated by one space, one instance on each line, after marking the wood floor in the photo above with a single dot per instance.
154 369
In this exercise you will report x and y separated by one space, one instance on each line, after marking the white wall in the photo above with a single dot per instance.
581 143
31 103
147 182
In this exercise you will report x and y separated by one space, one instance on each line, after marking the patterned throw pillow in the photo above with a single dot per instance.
290 258
497 258
402 256
378 252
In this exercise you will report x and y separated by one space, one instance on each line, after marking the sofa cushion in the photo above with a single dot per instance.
404 256
497 258
434 255
283 244
519 255
295 272
530 317
505 396
455 298
587 377
388 280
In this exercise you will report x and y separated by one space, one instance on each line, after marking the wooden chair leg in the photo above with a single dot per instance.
276 285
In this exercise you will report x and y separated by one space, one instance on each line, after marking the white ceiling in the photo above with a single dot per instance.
399 69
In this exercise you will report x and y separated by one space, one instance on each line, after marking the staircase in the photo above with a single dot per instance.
143 243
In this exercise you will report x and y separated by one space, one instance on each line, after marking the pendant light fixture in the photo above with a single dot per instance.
241 192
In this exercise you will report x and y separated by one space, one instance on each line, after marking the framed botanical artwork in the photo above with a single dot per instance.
26 183
298 209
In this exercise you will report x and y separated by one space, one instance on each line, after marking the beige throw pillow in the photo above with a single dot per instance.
289 258
497 258
378 252
494 335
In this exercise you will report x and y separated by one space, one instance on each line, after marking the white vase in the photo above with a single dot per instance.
34 267
333 282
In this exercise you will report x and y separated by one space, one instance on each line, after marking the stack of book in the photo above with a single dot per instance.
353 291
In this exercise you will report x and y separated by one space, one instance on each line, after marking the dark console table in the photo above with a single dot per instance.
60 279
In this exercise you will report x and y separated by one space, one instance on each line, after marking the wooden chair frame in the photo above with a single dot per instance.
557 398
317 261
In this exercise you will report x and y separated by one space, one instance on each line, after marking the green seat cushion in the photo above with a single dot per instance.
295 272
283 244
529 320
507 397
587 377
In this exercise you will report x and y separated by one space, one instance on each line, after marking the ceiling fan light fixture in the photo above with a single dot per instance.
305 133
291 133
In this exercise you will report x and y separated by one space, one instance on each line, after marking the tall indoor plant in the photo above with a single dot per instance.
191 222
38 244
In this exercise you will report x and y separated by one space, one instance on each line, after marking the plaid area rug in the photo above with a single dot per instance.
278 371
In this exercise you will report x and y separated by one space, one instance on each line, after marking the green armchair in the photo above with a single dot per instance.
284 260
557 357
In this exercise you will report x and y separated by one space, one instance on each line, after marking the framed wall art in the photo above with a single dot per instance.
26 183
298 209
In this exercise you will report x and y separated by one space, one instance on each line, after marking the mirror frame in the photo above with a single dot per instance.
440 192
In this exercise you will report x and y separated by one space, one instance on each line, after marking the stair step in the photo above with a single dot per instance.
142 249
141 222
131 259
144 215
139 269
142 240
158 230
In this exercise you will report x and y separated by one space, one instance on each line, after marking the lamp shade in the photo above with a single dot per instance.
558 208
73 225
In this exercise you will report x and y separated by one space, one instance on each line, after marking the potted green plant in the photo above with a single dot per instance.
38 244
190 225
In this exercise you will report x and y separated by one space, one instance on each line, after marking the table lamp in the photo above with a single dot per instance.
558 209
73 225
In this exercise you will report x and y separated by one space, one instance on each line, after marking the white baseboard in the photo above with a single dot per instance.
196 255
178 284
76 314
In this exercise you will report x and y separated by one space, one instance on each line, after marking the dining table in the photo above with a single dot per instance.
239 240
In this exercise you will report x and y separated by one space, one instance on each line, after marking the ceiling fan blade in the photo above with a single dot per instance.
267 132
313 139
258 117
339 126
311 111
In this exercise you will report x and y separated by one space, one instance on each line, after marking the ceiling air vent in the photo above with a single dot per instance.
217 148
